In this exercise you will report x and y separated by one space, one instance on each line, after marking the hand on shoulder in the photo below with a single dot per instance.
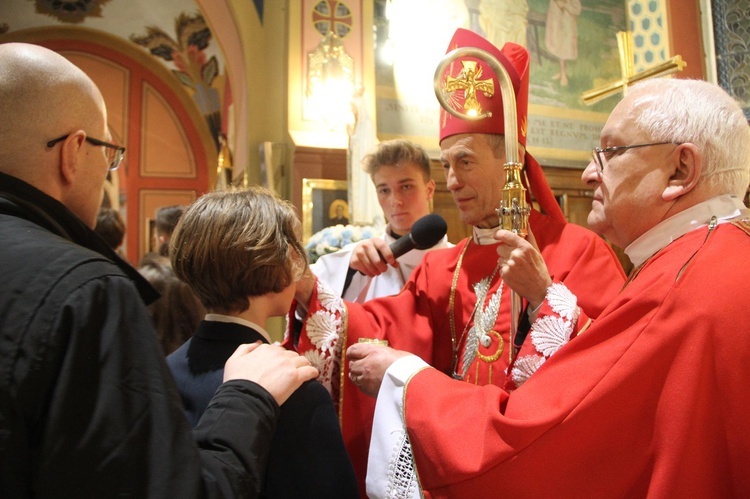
277 370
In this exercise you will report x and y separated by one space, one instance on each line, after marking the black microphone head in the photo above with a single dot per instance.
428 231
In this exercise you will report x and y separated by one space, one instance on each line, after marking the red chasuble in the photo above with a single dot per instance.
650 401
418 319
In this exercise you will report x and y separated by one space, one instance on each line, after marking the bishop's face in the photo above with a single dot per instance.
474 176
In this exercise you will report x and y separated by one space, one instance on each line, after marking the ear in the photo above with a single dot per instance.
70 151
688 166
430 189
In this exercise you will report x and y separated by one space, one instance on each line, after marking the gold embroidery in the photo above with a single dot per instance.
342 365
498 352
455 340
469 81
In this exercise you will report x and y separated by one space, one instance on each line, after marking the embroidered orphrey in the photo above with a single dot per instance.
324 329
484 320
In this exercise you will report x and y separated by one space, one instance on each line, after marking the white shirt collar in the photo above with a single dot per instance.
485 236
238 320
387 237
726 208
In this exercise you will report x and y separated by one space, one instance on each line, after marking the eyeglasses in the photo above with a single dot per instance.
114 153
601 155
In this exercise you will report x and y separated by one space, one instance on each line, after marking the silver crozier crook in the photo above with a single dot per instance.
513 210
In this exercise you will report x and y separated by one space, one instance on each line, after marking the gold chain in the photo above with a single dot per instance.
452 315
455 342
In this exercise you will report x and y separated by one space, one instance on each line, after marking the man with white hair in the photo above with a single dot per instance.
650 400
87 405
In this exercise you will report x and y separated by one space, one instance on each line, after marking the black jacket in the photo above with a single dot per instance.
308 458
88 407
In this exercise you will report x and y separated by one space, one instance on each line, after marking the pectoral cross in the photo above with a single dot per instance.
627 70
468 81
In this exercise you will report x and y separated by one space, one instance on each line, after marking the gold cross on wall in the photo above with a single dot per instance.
627 70
468 81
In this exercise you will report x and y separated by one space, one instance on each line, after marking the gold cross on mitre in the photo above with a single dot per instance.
627 69
468 81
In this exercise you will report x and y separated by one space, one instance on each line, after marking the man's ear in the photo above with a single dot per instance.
687 169
430 189
70 152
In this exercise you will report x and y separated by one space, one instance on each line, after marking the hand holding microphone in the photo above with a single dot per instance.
372 256
425 233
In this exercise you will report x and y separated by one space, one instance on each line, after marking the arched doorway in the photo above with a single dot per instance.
170 152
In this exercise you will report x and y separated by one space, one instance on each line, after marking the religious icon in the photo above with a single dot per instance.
324 203
338 212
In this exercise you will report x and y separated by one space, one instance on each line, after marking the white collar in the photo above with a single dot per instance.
238 320
485 236
387 237
726 208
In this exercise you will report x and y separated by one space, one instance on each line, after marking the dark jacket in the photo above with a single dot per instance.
87 405
308 458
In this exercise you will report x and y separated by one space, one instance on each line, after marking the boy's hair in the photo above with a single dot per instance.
234 244
110 226
394 153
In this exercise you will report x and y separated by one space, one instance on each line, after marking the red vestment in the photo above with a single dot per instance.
418 319
650 401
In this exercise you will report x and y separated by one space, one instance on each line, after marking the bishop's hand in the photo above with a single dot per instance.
368 363
522 266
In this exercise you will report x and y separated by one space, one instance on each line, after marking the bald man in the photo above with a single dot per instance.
87 406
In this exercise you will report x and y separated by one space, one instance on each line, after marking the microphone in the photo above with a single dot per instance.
425 233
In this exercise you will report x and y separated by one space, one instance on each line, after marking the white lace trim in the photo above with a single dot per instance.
325 330
402 480
524 367
328 299
549 333
563 302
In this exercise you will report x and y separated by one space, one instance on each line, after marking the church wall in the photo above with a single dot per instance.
685 36
264 46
